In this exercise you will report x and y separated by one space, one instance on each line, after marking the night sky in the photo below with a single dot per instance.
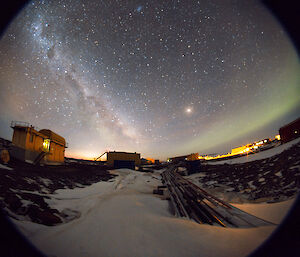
162 78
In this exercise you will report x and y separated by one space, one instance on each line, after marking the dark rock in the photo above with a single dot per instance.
46 217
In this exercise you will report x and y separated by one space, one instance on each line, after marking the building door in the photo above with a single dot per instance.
124 164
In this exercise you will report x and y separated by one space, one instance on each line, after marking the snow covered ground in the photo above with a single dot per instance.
260 155
274 212
5 167
123 218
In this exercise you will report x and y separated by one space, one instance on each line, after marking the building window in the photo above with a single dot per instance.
46 145
31 137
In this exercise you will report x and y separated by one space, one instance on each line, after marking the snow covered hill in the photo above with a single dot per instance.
272 175
260 155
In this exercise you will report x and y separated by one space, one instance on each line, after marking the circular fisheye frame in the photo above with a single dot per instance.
150 128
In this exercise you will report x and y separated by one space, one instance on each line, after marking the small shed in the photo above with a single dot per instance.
178 159
37 146
119 160
290 131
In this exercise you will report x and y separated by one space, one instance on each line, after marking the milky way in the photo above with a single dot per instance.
162 78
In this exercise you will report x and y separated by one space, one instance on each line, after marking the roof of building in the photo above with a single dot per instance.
291 123
53 136
45 133
179 157
121 152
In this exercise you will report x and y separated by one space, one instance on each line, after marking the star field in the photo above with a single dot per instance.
157 77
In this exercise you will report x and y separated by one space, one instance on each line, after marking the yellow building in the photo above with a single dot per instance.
123 159
31 145
193 157
241 149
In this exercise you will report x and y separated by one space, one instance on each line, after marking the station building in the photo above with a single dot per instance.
177 159
119 160
36 146
241 149
290 131
189 157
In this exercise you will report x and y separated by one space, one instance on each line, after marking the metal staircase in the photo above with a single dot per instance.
39 158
